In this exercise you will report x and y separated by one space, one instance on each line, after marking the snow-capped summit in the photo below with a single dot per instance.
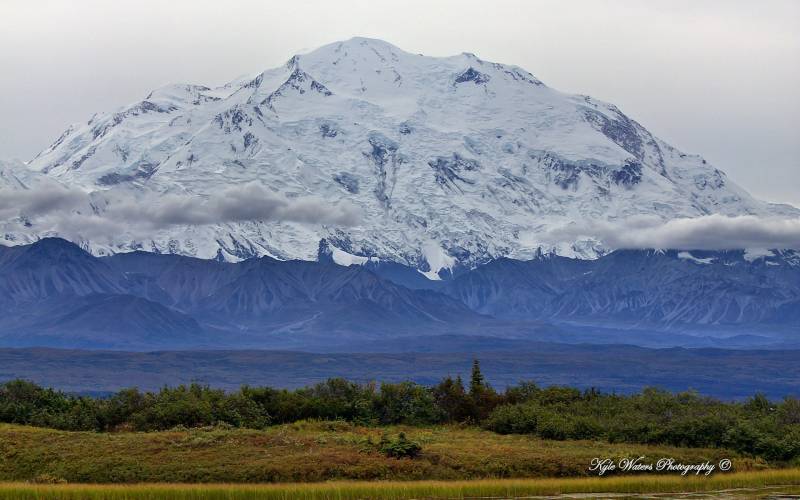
450 161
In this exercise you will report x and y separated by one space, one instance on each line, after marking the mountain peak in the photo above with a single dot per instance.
357 43
56 248
449 161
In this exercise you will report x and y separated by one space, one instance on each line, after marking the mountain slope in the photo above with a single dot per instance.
451 162
50 268
646 288
261 294
106 321
53 293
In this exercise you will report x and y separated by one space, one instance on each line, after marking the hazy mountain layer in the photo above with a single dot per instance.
55 294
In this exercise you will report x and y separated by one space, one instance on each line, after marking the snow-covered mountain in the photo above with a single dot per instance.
448 161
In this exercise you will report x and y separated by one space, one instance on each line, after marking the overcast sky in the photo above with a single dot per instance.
718 78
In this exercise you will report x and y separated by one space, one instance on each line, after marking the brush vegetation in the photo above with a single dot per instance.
756 427
312 451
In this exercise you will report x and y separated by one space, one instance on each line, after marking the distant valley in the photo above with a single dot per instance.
726 374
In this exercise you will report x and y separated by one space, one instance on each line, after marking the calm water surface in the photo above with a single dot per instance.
771 493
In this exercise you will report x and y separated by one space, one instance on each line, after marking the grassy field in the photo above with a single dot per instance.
504 488
307 452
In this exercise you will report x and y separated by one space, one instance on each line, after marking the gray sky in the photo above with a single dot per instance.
718 78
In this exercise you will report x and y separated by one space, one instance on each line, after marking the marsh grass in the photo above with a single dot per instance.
504 488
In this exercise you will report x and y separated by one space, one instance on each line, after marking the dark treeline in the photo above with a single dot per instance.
757 427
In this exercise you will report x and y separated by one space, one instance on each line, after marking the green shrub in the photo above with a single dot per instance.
553 425
513 419
400 447
756 427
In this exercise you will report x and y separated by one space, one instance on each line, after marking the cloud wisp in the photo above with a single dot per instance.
712 232
46 198
248 202
52 207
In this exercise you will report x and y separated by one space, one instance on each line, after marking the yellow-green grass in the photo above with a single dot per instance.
504 488
308 452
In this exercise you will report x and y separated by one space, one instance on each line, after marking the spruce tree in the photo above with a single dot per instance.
476 382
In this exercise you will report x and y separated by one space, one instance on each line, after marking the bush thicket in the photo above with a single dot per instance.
757 427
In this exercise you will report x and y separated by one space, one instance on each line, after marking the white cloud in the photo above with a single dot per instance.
71 212
247 202
712 232
47 197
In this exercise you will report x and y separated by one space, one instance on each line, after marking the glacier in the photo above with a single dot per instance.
449 161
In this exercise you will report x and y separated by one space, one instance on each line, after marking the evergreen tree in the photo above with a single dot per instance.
477 385
483 398
452 399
